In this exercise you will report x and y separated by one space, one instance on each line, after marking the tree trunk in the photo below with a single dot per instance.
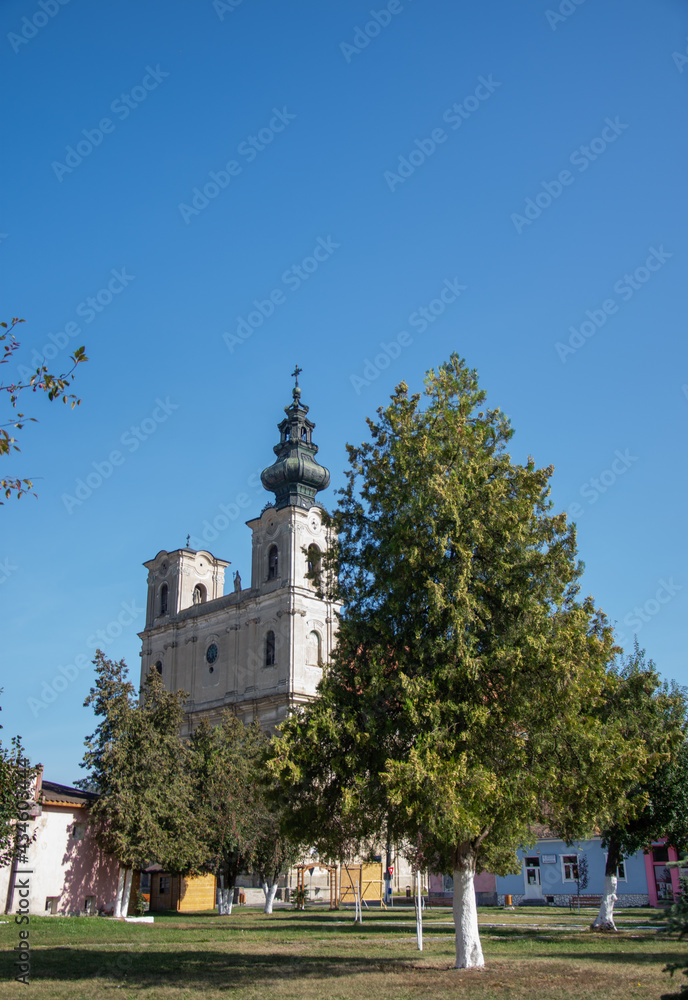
117 904
469 954
270 891
127 891
419 911
224 902
604 920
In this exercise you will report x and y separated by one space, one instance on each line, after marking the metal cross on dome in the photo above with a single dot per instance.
295 374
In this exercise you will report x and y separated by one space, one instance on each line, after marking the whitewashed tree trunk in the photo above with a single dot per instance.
127 891
419 912
605 918
469 953
270 892
117 908
224 902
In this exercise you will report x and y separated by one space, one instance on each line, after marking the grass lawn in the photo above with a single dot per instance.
530 953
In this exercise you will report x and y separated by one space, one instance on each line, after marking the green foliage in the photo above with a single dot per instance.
16 783
299 897
225 762
238 823
191 805
39 380
139 768
273 854
657 802
460 708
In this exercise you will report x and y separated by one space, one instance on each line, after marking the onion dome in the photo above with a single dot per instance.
295 477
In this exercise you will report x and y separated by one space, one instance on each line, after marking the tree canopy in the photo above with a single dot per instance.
196 805
138 767
460 707
237 814
657 801
224 762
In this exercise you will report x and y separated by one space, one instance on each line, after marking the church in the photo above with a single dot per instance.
259 650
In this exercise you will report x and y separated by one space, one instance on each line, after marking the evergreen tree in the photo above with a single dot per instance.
139 768
460 707
229 797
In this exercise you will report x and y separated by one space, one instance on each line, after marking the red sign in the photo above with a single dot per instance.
391 869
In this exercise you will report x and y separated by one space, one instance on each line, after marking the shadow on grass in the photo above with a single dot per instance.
622 957
193 968
300 923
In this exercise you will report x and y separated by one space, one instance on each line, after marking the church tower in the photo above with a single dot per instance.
260 650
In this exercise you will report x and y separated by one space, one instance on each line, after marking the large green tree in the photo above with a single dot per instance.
229 797
459 709
656 803
139 768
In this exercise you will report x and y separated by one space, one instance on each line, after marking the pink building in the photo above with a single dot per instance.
662 882
65 871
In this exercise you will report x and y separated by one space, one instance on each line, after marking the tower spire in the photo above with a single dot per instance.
295 477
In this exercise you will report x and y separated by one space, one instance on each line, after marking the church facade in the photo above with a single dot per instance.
259 650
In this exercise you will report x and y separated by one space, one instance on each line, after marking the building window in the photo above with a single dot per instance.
79 831
270 649
158 667
164 885
273 563
51 904
621 871
90 906
570 865
314 652
314 561
163 599
199 594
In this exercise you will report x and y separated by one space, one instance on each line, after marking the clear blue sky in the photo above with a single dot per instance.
515 177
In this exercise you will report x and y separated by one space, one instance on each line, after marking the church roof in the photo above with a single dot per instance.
295 477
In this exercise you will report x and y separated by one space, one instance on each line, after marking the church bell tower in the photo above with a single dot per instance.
259 651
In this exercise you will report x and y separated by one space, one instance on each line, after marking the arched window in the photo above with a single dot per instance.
314 651
270 649
314 561
163 599
158 667
273 563
304 434
199 594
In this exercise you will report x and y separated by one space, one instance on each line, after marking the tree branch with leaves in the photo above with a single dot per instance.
40 380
